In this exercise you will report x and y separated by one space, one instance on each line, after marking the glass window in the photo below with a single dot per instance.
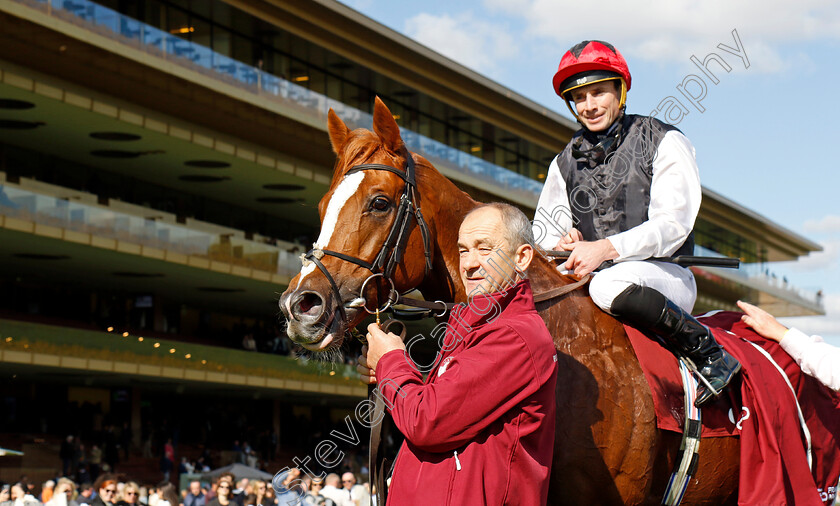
222 41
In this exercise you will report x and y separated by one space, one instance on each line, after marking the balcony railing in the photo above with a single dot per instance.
100 221
758 272
33 337
195 57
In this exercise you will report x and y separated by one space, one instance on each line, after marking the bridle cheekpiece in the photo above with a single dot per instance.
391 253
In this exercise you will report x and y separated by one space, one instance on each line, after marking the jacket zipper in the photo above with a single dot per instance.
452 478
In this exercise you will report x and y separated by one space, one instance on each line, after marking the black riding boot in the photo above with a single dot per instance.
649 309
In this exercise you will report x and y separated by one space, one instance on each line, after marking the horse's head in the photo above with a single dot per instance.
368 226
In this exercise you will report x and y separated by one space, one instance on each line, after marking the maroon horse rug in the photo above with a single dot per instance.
765 408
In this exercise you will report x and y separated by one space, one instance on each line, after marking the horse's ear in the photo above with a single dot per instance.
338 131
386 126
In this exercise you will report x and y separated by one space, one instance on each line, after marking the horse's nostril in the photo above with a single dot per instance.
309 303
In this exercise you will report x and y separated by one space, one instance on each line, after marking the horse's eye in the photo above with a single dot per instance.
380 204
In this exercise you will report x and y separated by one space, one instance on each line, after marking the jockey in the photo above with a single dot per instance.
626 188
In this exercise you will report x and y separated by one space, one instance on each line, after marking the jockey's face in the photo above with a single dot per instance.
487 262
597 104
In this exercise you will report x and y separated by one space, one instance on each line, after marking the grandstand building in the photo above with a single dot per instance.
161 162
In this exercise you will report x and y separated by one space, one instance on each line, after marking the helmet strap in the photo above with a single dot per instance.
622 103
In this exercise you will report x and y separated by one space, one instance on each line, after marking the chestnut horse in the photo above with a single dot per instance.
607 449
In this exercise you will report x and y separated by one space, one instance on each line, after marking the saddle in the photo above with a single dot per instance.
788 423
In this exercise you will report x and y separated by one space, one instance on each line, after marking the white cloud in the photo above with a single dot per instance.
671 30
827 225
824 260
478 44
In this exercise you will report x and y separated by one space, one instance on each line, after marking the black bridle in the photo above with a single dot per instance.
392 250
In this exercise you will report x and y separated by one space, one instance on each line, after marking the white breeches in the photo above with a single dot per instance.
674 282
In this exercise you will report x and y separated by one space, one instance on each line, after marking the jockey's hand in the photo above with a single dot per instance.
587 256
762 322
573 236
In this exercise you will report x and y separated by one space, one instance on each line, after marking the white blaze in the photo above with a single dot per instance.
342 194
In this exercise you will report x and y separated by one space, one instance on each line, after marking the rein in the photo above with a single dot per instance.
443 307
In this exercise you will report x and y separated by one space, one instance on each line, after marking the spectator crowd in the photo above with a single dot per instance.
222 490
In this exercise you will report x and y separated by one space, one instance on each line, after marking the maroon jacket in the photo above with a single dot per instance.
480 428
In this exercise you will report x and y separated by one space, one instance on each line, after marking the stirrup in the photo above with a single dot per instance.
705 390
704 387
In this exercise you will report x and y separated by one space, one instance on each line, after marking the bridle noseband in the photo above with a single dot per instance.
392 250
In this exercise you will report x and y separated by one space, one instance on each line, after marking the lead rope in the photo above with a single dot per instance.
378 465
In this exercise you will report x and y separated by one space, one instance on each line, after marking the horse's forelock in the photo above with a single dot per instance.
362 145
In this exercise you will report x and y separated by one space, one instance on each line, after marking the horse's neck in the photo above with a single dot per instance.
449 205
577 324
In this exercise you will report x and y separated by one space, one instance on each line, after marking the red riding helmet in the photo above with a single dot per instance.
588 62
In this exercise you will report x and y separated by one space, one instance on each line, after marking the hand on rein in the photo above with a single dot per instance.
586 256
379 342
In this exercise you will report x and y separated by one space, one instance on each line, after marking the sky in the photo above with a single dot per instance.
764 133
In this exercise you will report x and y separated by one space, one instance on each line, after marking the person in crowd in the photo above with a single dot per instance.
67 454
167 494
332 490
47 490
185 467
289 489
251 459
248 342
195 496
167 459
347 481
20 496
5 495
357 492
259 491
86 493
106 494
270 496
65 491
240 493
498 361
238 500
246 450
313 486
816 357
143 498
126 439
224 488
130 495
201 466
82 466
94 461
626 189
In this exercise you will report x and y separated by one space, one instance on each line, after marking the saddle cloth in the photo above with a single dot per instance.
758 407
